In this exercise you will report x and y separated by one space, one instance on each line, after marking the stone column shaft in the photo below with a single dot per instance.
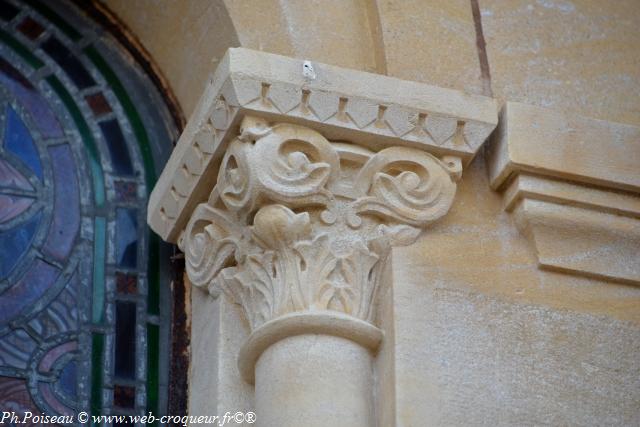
315 381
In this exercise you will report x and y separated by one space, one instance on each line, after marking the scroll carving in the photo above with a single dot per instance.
298 223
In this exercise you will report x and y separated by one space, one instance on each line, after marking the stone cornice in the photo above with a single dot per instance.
566 146
371 110
573 185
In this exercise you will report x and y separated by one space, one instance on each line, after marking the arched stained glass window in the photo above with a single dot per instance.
84 303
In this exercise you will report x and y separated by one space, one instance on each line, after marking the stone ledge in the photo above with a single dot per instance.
346 105
532 187
572 184
564 145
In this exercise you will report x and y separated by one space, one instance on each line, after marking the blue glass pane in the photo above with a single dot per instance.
127 237
117 147
16 348
66 205
39 278
67 380
16 242
18 140
31 100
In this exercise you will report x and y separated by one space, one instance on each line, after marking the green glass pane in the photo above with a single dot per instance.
97 357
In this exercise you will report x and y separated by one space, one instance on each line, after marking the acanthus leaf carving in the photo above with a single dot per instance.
297 223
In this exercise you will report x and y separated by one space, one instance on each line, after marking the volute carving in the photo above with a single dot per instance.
297 223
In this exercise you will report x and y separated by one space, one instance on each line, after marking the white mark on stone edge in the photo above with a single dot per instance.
308 71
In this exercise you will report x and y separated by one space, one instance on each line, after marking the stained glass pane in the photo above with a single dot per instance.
126 283
117 147
17 140
66 205
38 279
31 100
126 237
30 28
81 303
67 381
126 191
12 206
15 241
69 63
123 396
11 178
125 365
98 104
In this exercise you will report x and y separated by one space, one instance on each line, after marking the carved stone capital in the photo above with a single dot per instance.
298 224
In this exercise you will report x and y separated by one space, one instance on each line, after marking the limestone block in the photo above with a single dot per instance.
477 334
544 160
582 241
580 56
335 32
527 186
186 39
430 41
565 145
